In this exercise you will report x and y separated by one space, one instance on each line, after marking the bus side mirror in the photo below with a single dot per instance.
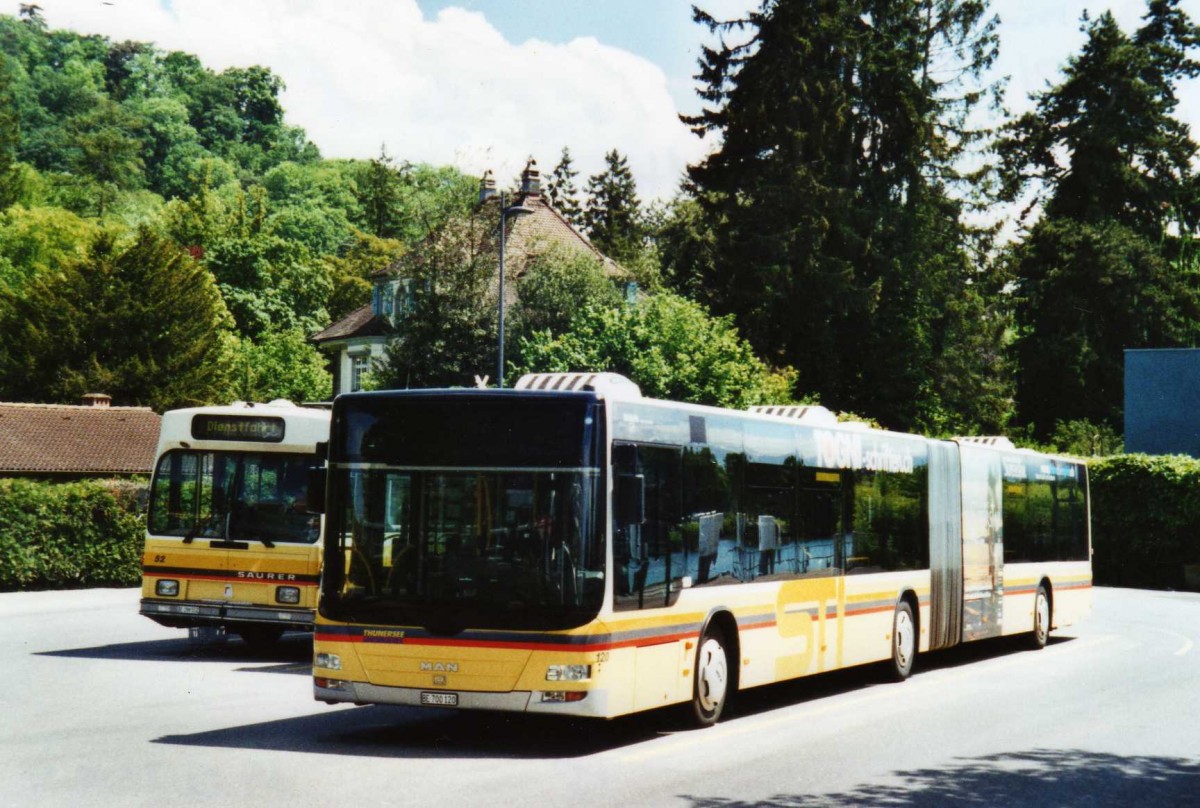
315 498
631 499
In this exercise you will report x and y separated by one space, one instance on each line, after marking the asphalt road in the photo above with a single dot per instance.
99 706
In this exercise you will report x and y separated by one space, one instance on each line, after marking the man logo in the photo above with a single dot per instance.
440 667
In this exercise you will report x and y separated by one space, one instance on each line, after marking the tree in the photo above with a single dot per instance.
561 190
10 139
140 321
671 347
613 213
379 196
836 197
555 285
1112 170
279 364
350 273
448 335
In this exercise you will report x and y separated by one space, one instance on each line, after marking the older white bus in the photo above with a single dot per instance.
230 542
571 547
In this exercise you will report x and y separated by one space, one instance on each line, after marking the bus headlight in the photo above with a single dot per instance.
167 588
287 594
331 662
568 673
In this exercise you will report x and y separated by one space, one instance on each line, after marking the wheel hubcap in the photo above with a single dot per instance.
904 638
712 676
1041 616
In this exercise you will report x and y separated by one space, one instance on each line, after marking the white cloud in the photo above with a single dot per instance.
360 73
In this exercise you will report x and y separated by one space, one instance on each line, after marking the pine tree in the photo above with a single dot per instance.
142 322
561 190
1112 171
613 213
836 200
379 196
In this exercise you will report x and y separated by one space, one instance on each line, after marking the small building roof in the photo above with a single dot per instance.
70 439
358 323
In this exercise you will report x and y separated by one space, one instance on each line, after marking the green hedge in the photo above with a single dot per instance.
1145 520
71 535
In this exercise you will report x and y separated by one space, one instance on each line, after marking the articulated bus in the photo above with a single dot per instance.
231 545
570 547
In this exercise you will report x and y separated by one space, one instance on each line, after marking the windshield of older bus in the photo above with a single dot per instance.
233 496
451 540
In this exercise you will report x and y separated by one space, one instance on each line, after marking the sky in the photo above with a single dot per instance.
485 84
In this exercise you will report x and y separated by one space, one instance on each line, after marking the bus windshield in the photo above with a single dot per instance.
453 543
233 496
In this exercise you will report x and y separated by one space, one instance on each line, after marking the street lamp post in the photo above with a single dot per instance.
505 213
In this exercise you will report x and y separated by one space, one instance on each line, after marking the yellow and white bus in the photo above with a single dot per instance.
231 545
571 547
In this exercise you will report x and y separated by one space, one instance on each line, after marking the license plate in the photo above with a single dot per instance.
440 699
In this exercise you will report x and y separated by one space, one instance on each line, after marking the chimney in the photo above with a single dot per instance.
531 179
97 400
487 187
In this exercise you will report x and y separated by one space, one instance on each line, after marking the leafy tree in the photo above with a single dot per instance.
561 190
1113 172
671 347
36 242
10 139
613 213
142 322
554 286
105 147
269 282
835 199
279 364
350 273
449 334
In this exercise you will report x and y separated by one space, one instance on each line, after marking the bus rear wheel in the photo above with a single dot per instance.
711 684
1041 618
904 642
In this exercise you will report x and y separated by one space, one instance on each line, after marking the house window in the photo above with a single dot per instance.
359 366
393 299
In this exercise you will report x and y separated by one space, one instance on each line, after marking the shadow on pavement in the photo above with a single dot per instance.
1035 778
407 732
291 650
402 732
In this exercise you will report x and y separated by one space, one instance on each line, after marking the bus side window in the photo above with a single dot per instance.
649 553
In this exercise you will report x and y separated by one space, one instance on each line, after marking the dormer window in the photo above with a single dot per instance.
392 299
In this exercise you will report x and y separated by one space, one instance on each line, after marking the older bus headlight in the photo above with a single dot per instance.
287 594
330 662
167 588
568 673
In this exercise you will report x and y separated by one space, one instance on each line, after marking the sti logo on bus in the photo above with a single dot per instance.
445 667
253 428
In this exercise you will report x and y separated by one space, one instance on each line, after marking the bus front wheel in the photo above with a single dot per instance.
904 641
711 687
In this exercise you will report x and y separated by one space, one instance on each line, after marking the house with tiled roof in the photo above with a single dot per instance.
65 441
360 338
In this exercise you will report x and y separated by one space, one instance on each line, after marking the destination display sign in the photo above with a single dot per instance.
256 428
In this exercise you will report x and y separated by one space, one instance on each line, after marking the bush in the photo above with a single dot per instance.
1145 520
71 535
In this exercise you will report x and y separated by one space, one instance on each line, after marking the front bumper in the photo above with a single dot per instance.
185 614
594 705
